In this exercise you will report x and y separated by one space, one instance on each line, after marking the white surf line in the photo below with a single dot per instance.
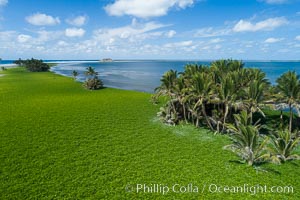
72 61
8 65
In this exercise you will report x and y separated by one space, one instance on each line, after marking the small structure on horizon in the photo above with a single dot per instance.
107 60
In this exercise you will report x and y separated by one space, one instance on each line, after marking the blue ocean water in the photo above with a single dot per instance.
144 75
5 62
130 75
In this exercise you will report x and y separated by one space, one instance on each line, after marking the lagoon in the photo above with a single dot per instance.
144 75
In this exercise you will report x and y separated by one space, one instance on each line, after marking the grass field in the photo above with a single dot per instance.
60 141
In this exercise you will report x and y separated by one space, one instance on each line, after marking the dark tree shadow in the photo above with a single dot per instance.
237 162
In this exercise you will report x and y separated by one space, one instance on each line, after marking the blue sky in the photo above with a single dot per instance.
150 29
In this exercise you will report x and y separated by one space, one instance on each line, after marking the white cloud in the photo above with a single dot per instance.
273 40
128 40
206 48
284 50
46 36
275 1
40 19
135 32
3 2
40 48
62 43
211 32
171 33
265 25
23 38
77 21
145 8
297 45
209 48
218 47
179 44
23 45
74 32
297 38
8 42
216 40
7 36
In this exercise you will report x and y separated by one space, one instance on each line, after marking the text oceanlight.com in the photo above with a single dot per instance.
207 188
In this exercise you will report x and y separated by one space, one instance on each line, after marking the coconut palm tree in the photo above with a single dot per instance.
247 142
168 82
235 65
92 82
219 68
181 94
90 71
284 143
191 69
227 95
75 74
288 85
254 96
257 74
222 67
202 90
241 80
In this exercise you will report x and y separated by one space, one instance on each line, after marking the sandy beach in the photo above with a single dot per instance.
8 65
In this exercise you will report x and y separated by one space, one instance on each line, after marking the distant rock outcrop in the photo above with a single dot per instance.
106 60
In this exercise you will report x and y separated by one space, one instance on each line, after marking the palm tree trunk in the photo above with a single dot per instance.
172 103
225 116
251 157
281 120
291 119
184 113
206 118
251 117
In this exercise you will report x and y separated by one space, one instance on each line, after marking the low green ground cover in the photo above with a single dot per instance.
60 141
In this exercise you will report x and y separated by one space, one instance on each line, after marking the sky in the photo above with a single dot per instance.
150 29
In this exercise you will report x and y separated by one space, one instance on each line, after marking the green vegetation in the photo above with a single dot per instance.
33 65
60 141
284 144
210 95
224 96
289 93
247 141
75 74
92 81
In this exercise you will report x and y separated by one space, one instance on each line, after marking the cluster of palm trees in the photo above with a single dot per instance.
92 82
33 65
215 96
210 95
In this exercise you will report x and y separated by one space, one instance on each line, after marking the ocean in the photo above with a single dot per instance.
144 75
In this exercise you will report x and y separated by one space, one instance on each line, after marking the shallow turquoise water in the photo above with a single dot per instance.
131 75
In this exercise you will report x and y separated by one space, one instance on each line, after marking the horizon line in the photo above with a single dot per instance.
162 59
